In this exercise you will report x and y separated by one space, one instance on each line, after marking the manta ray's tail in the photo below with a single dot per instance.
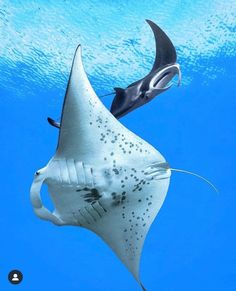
144 289
108 94
196 175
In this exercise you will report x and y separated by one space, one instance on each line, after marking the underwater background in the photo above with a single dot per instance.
192 243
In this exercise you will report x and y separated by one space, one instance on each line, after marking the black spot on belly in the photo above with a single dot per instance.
92 196
116 171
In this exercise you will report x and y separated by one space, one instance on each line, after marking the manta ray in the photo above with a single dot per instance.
102 177
156 82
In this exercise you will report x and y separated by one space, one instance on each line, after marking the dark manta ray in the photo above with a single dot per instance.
156 82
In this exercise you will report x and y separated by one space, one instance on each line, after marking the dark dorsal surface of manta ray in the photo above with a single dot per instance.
102 177
155 83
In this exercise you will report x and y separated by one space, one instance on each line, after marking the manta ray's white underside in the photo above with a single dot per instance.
102 177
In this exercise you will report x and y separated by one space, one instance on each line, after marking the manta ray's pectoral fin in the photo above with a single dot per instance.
125 225
53 122
165 50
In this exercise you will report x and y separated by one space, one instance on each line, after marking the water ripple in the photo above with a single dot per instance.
38 40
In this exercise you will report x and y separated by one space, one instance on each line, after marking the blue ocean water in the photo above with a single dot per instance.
191 245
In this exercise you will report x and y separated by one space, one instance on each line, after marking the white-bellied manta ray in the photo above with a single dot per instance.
156 82
102 177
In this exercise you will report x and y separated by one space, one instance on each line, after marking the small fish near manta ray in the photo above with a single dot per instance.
102 177
156 82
